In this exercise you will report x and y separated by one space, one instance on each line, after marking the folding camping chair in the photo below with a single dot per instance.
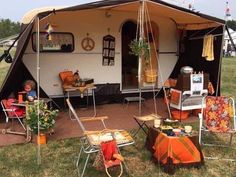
91 140
217 116
12 115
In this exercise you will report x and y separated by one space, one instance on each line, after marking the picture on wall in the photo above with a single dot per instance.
108 52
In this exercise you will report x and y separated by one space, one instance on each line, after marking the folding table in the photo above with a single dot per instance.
82 90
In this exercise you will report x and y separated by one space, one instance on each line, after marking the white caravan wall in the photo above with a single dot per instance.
89 64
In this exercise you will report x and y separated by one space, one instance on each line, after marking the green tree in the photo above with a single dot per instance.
232 24
8 28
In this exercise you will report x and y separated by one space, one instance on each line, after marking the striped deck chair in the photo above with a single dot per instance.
92 141
12 114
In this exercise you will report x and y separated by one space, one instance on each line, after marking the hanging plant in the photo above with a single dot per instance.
140 49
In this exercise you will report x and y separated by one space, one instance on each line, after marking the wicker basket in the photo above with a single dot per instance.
150 76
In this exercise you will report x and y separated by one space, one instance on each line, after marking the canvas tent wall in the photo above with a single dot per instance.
90 18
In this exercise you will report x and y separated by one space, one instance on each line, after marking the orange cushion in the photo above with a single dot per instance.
65 74
69 80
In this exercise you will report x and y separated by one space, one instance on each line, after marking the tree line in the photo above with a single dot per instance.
8 28
232 24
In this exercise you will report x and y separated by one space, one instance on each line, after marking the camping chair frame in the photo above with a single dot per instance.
203 128
87 147
15 116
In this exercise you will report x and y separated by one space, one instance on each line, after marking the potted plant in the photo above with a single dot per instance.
141 49
38 111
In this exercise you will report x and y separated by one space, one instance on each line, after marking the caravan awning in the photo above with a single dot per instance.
184 18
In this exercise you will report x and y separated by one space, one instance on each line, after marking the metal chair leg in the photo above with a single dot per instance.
85 165
230 139
78 159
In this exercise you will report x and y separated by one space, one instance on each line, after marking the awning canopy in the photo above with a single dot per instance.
184 18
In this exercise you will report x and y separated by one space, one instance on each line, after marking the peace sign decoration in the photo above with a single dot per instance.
88 43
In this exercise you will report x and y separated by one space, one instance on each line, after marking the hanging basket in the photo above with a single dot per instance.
150 76
42 138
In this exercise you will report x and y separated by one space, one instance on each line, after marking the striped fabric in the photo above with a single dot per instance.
180 149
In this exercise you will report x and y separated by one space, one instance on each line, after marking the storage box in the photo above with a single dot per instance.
183 82
87 81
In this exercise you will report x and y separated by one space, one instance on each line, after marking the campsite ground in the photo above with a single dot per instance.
58 157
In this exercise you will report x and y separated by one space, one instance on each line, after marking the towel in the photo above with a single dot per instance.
208 47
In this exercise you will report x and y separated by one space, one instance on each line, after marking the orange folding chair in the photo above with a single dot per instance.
218 117
12 114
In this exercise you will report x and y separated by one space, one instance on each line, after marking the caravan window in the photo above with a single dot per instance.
53 42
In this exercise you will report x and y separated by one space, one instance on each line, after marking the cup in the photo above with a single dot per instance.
20 97
157 123
188 129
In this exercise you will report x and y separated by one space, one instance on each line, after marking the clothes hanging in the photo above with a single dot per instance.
208 47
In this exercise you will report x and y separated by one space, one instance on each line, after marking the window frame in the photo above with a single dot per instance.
53 51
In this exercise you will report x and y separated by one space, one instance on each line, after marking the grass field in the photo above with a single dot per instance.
4 66
59 157
228 78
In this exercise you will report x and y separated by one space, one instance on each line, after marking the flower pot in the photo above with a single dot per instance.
150 76
42 139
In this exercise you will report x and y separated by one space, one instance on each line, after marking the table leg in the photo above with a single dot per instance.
87 97
94 104
70 115
141 126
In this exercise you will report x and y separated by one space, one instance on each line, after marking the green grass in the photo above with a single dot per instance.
4 66
59 158
228 77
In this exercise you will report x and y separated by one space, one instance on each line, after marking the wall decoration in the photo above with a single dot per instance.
88 43
108 51
58 42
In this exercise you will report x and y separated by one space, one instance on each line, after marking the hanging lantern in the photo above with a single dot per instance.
49 28
6 56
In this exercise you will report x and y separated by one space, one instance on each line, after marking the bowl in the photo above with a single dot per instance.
177 131
30 98
186 70
166 129
171 122
188 129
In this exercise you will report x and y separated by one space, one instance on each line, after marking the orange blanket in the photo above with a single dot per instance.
179 149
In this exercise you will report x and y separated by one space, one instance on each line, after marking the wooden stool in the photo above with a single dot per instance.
142 121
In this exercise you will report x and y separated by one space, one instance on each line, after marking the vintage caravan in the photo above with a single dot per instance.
95 39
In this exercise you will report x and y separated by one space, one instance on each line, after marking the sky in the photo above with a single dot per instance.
15 9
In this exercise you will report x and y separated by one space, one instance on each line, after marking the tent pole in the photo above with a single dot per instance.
141 35
230 37
38 83
220 62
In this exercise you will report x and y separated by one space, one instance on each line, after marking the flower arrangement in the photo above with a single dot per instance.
46 117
